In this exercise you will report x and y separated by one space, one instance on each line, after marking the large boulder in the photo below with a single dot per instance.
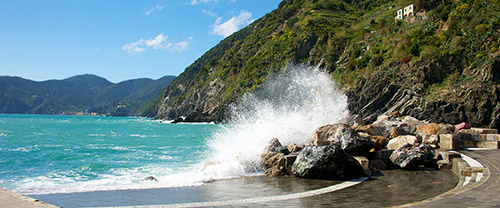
326 162
343 135
400 141
411 156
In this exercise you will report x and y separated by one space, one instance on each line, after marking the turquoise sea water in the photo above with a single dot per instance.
56 154
63 154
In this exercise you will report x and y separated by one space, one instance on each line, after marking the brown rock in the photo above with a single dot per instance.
371 129
428 129
324 133
270 159
379 141
294 148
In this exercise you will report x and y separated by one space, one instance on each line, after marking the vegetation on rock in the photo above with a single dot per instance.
442 64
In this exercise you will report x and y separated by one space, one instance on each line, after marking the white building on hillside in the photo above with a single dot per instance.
405 12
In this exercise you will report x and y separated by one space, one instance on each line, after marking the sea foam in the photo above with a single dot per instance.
289 106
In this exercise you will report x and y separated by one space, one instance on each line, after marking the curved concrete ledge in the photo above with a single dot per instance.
472 189
315 192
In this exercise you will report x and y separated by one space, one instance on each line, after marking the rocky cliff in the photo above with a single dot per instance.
440 63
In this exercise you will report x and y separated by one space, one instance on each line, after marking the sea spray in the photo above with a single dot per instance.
290 106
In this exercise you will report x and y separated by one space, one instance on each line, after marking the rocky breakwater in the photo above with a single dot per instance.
345 151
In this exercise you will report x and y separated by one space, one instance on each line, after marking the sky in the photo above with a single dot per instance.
115 39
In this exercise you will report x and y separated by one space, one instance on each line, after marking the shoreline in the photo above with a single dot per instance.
263 191
363 194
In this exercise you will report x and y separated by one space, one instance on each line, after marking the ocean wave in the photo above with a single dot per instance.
289 106
118 179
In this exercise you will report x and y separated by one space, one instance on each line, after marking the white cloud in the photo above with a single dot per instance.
151 10
159 42
196 2
230 26
209 13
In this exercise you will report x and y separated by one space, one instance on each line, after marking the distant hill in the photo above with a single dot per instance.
82 94
440 63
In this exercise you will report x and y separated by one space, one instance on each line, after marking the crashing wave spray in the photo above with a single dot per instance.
289 106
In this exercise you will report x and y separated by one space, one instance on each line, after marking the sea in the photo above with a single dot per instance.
60 154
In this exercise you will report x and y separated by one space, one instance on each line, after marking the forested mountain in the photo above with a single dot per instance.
83 94
440 63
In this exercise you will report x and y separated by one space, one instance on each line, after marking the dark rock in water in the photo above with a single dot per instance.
150 178
326 162
411 156
344 136
178 120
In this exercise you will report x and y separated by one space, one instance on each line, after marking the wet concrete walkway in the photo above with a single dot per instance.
393 188
485 193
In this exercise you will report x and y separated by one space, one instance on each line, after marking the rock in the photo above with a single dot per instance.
413 122
432 139
371 129
428 129
403 129
275 171
411 156
150 178
400 141
364 163
271 159
275 163
289 160
424 132
294 148
273 145
326 162
462 125
344 136
377 164
446 129
355 120
379 142
178 120
323 133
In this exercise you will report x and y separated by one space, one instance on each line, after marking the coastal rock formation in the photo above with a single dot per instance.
326 162
344 136
277 159
411 156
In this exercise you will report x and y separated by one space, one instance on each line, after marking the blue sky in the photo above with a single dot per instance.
115 39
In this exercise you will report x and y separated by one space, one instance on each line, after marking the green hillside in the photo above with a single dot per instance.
78 94
442 64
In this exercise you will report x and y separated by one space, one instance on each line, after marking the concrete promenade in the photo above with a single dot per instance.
397 188
485 193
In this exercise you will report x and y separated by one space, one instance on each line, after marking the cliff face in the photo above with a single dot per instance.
440 64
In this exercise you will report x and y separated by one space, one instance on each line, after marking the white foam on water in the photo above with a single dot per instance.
289 106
